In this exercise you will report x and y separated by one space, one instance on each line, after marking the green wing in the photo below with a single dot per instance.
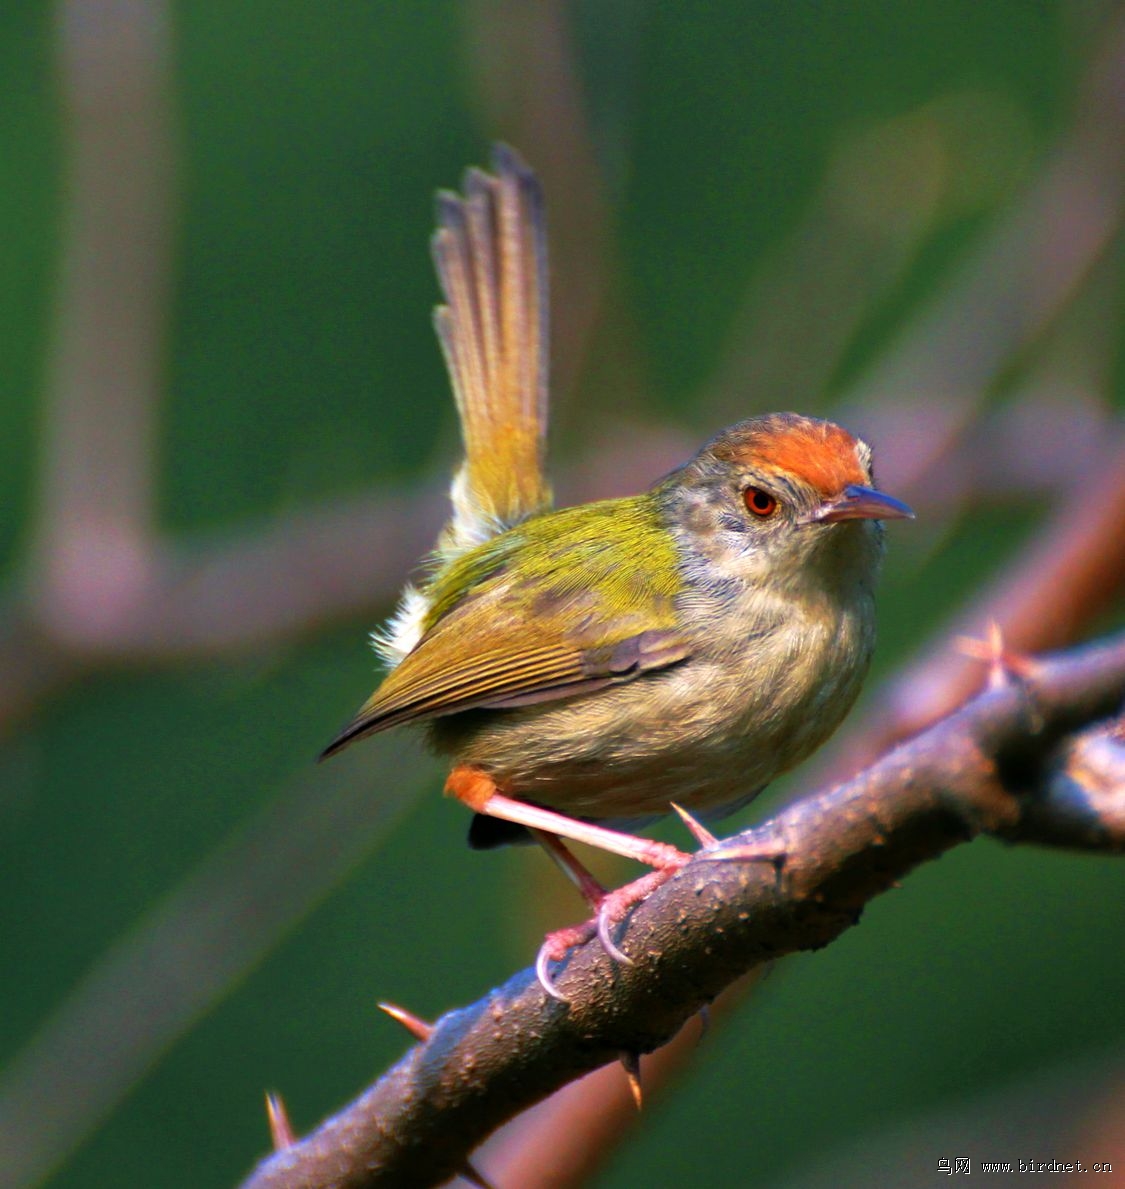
565 604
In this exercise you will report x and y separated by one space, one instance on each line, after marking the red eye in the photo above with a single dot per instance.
758 502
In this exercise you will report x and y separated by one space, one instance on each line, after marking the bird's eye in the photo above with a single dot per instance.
759 503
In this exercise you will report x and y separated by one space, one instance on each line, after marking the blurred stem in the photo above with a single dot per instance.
526 78
182 957
94 538
1034 262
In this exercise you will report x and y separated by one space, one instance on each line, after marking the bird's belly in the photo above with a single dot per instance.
700 734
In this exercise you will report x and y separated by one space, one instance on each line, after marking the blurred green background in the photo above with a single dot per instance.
781 192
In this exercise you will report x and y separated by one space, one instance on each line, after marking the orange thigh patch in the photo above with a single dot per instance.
472 786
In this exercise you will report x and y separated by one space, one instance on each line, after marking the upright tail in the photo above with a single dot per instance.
491 256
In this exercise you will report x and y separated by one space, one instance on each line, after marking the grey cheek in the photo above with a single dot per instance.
699 520
732 523
732 551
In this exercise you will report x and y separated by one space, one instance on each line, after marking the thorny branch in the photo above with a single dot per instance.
1018 762
181 600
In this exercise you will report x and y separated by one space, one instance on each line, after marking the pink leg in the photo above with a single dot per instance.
592 891
644 850
478 790
556 944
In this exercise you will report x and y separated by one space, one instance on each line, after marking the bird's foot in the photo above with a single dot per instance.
609 909
479 790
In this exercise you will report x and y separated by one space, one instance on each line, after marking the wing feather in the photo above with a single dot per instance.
545 611
442 677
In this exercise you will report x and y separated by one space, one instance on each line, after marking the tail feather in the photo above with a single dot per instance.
490 251
491 258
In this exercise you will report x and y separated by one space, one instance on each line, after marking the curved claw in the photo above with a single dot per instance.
543 973
605 923
611 908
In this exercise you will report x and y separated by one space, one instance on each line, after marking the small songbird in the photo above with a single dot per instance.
585 668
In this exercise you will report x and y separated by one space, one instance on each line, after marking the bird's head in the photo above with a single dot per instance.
781 498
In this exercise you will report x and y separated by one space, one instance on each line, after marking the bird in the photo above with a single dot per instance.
588 669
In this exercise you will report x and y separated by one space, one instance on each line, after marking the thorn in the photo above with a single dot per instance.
470 1174
417 1028
1003 663
704 1022
765 851
631 1063
281 1130
697 829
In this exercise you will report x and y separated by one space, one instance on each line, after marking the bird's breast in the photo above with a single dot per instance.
766 683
